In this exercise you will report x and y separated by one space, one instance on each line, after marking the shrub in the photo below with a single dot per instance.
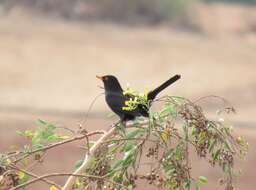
125 11
164 141
234 1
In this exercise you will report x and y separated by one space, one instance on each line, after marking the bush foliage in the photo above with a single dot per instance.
132 11
154 150
234 1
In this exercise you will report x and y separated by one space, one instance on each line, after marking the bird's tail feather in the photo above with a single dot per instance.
152 94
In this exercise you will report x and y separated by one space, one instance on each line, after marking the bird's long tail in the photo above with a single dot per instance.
152 94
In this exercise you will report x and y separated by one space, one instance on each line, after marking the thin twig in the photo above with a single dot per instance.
80 137
63 174
34 175
129 139
90 108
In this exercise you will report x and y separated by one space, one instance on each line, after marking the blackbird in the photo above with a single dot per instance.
116 99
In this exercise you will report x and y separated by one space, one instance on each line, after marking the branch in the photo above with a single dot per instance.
42 178
71 180
58 144
35 176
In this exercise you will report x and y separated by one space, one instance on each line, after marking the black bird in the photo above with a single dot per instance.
116 99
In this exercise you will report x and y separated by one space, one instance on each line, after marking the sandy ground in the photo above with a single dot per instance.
48 68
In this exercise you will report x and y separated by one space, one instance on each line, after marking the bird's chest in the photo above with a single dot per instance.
115 101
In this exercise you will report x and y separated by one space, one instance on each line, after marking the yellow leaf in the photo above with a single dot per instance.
64 137
29 133
78 183
88 187
53 187
25 161
146 91
8 161
21 174
165 135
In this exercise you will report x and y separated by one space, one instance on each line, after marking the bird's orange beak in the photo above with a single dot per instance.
99 77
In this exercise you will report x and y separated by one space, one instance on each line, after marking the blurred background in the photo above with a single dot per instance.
51 50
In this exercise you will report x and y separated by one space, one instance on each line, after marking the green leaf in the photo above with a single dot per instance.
42 122
197 187
128 147
20 133
38 146
212 145
193 131
36 137
134 133
168 110
216 154
23 178
226 168
48 131
78 163
93 162
227 130
178 152
201 137
202 180
187 183
129 157
91 143
169 171
118 178
227 145
50 127
117 164
52 137
130 187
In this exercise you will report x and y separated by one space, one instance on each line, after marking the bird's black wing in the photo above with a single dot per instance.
117 101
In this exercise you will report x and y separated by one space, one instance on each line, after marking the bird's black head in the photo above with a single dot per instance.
111 83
